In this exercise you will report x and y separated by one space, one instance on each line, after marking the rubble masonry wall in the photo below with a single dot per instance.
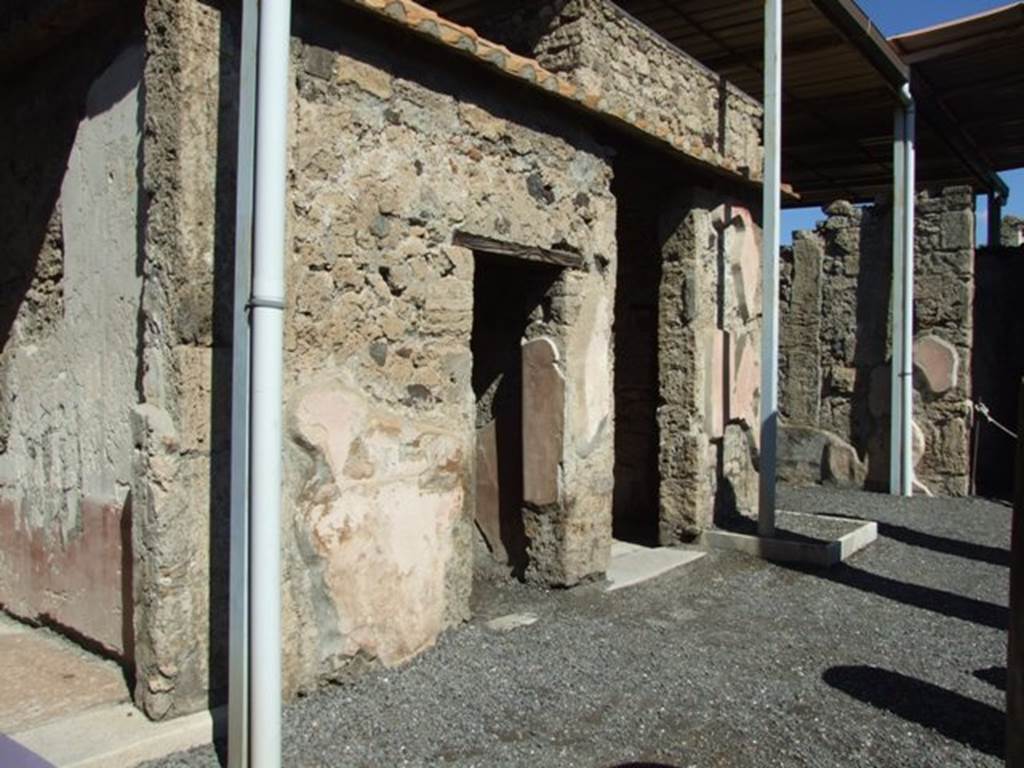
393 149
634 72
835 380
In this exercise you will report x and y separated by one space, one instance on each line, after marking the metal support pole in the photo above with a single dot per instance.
901 469
770 264
995 219
267 307
907 348
238 640
898 256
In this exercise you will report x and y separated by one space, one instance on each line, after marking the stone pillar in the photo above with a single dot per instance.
181 466
685 338
800 331
709 364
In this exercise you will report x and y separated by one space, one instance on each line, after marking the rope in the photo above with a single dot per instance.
982 409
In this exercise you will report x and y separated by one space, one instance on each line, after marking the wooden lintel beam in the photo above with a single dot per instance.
550 256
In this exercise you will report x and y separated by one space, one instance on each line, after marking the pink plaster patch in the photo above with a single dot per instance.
383 522
746 383
716 384
938 362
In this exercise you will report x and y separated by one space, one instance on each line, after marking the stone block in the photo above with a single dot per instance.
569 542
917 443
842 379
738 474
364 76
841 465
937 363
808 456
686 496
488 498
543 421
957 229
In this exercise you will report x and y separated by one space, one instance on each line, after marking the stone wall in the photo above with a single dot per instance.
636 73
395 147
69 298
115 373
834 358
703 371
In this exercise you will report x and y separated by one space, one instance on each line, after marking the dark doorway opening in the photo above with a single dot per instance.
635 507
511 302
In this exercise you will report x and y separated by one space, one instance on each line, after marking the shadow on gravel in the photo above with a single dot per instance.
994 676
930 599
979 552
972 723
644 765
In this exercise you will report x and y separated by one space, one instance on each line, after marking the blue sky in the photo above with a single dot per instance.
894 17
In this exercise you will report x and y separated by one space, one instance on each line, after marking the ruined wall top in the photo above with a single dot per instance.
591 53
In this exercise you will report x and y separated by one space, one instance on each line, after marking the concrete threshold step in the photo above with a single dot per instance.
633 564
118 735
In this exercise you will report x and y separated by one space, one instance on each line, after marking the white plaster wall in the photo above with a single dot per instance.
70 434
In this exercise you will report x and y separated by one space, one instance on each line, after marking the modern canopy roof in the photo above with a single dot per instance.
841 79
970 72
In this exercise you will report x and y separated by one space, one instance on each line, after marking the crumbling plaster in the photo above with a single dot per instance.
68 365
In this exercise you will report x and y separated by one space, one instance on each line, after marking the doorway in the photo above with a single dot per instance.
511 304
635 506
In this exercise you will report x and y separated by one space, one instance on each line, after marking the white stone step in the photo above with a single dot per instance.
632 564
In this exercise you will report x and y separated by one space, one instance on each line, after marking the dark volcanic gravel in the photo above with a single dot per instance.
896 658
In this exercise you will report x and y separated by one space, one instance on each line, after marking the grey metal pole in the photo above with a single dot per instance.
896 359
267 303
238 641
770 264
907 348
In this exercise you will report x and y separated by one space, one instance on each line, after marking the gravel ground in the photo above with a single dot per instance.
896 658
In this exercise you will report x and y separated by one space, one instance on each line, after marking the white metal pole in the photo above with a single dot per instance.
267 342
907 349
770 264
238 642
898 258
